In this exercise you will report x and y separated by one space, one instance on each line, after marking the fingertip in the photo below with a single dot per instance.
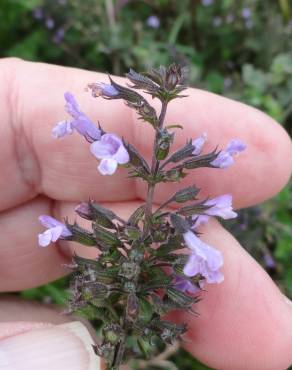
66 346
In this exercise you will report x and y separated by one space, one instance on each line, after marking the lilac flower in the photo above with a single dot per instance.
184 285
55 231
207 2
59 35
103 89
225 157
38 13
269 261
83 210
220 206
50 23
197 265
199 143
111 151
204 260
81 123
153 21
200 220
246 13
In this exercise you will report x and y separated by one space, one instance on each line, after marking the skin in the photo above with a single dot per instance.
244 323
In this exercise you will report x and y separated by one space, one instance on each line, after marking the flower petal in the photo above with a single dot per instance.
71 105
61 129
108 166
49 222
122 156
45 238
199 143
56 232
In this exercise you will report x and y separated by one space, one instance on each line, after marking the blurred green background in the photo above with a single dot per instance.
241 49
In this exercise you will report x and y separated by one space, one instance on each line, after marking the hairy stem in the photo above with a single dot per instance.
148 214
154 169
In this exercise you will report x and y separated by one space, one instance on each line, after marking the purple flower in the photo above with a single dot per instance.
220 206
81 123
50 23
199 143
197 265
83 210
38 13
246 13
207 2
103 89
225 157
204 260
111 151
269 261
184 285
55 230
62 128
153 21
59 35
200 220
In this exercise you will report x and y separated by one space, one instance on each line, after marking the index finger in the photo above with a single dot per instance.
31 101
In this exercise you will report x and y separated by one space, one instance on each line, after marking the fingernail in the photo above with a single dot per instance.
61 347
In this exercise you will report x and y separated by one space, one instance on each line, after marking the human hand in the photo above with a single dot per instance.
244 324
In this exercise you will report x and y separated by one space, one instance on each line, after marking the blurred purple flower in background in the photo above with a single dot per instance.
153 21
246 13
207 2
59 35
38 13
50 23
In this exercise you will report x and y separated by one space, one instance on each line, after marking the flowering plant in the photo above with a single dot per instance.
139 275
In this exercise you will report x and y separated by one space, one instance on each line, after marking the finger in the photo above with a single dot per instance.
245 322
23 264
245 312
43 339
31 103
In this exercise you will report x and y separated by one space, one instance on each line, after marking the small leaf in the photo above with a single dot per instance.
180 224
186 194
137 216
182 153
136 159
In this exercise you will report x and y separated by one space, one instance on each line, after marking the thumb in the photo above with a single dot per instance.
34 346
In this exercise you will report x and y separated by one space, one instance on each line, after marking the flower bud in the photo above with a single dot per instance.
186 194
164 140
173 76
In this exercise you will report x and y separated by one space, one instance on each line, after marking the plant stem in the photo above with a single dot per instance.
154 169
148 214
